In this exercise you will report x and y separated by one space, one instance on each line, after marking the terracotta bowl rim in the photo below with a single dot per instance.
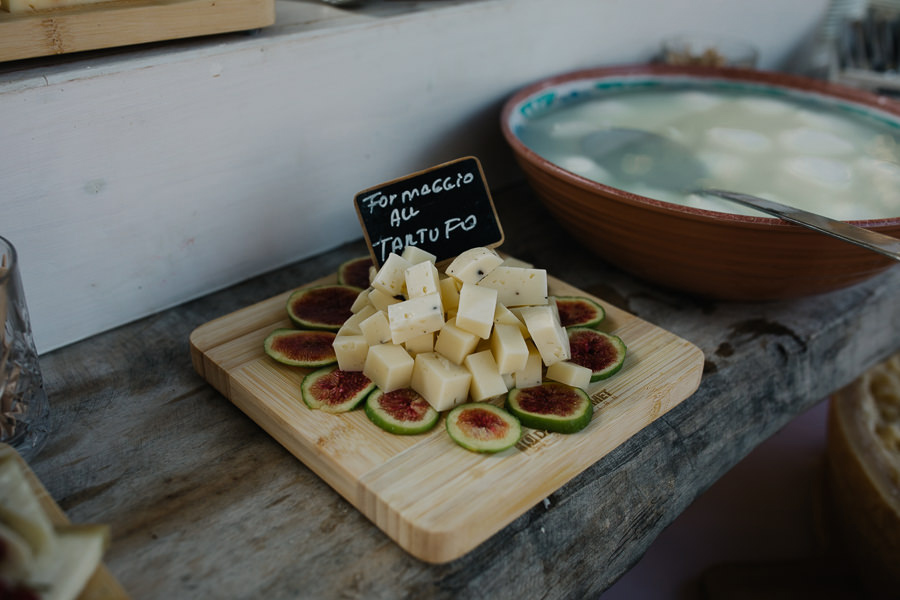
769 78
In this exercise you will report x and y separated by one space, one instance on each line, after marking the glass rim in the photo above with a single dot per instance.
7 270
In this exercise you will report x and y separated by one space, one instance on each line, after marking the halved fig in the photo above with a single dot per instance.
335 391
578 311
483 427
600 352
551 406
355 272
323 307
301 348
402 412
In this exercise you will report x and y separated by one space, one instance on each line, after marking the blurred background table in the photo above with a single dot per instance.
203 503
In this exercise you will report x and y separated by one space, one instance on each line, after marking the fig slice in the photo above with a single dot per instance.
332 390
602 353
551 406
301 348
401 412
355 272
324 307
578 311
483 427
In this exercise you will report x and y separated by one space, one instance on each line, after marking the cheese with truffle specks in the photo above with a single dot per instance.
570 374
532 374
422 279
414 317
508 347
351 352
517 286
474 264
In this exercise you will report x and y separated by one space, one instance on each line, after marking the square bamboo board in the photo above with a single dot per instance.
125 22
432 497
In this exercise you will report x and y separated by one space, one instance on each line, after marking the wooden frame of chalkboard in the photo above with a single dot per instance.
444 210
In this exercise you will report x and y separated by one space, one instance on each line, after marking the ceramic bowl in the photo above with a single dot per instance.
703 252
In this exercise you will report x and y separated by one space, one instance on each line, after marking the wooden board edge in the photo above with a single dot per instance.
124 23
102 583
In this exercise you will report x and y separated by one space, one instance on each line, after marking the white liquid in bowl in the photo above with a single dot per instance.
822 157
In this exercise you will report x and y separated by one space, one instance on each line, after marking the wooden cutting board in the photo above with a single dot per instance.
125 22
435 499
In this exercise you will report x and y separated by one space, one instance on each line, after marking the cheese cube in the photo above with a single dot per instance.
455 343
532 373
414 317
508 347
449 293
391 277
420 344
376 329
351 352
476 309
486 379
442 383
389 366
518 286
548 335
508 317
422 279
361 301
380 301
473 264
570 374
416 255
351 325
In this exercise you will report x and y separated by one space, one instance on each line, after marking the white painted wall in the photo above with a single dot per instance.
137 179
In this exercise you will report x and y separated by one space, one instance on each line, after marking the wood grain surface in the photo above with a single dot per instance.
435 499
124 22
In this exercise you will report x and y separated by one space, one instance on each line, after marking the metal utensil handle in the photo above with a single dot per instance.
871 240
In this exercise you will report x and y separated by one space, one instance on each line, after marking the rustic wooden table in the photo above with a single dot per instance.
204 504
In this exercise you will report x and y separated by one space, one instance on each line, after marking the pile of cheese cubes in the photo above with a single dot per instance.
485 326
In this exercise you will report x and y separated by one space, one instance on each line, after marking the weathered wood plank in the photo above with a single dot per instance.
204 503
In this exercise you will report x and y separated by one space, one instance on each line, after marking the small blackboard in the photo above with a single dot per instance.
444 210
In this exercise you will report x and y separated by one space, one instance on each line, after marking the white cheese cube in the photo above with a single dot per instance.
422 279
548 335
455 343
509 379
389 366
351 352
508 347
486 379
508 317
476 309
532 373
420 344
473 264
361 301
518 286
449 293
442 383
380 301
376 329
391 277
414 317
351 325
416 255
570 374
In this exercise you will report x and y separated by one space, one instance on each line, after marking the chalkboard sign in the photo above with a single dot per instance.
444 210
